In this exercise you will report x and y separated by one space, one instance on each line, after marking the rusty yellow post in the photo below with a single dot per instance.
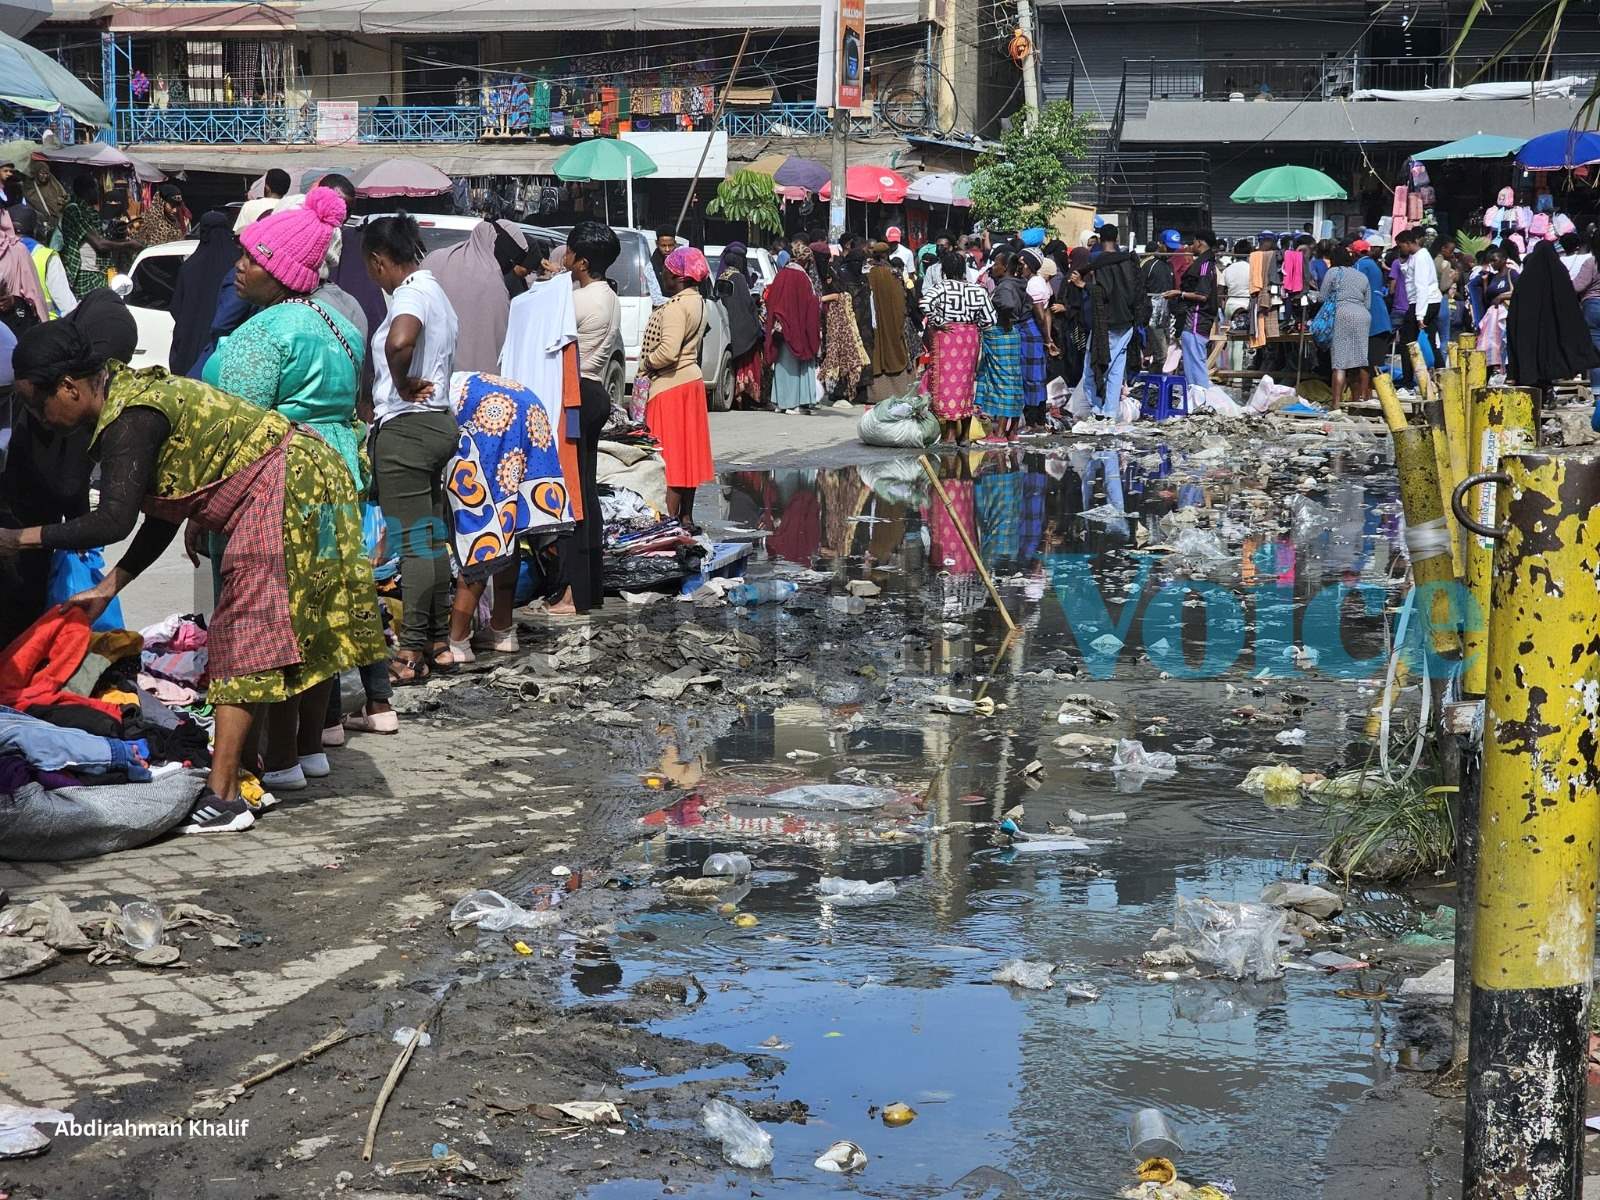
1539 825
1453 408
1427 534
1504 421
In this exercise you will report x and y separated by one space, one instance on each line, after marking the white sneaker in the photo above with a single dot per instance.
496 641
461 651
333 735
291 779
315 766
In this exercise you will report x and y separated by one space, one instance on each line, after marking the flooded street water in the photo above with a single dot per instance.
1255 630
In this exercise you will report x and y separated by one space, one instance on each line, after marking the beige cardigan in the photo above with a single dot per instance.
669 351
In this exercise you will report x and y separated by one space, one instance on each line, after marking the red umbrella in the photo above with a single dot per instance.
876 185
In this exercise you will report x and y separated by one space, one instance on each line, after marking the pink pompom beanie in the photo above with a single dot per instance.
290 244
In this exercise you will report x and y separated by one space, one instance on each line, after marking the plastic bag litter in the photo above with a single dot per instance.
1213 400
1201 545
842 1158
1047 845
37 825
1308 898
18 1137
744 1143
1132 757
1268 396
902 421
841 796
493 912
1271 777
854 891
734 865
1438 986
1240 940
1023 974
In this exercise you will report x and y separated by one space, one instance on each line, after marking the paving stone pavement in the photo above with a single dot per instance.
74 1029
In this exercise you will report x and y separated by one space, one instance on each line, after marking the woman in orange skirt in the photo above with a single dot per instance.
669 361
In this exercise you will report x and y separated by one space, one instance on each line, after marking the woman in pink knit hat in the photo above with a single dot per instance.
301 356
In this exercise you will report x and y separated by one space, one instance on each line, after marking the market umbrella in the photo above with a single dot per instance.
30 78
768 164
805 174
312 175
942 187
1560 149
1287 185
401 177
19 153
103 156
1479 145
602 160
872 184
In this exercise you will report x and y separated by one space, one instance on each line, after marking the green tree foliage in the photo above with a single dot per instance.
1027 177
748 196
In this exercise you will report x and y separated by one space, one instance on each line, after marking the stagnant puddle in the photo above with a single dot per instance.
892 1001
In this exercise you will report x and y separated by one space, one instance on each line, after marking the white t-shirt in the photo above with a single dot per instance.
543 323
254 210
902 257
420 296
1038 289
1236 286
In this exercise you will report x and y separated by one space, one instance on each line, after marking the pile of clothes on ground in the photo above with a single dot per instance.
104 735
644 548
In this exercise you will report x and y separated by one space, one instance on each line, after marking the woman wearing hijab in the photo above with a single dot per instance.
744 324
794 334
669 361
1037 344
515 257
1498 284
1545 330
844 355
999 394
18 276
194 299
466 272
850 277
957 313
297 604
890 359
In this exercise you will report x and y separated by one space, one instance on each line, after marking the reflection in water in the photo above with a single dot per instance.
1024 1092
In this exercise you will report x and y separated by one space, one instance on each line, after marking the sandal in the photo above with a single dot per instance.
451 666
406 672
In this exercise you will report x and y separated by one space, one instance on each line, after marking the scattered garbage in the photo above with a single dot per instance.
403 1036
1290 737
852 606
832 796
1439 929
1156 1170
854 891
1151 1135
763 591
1437 987
867 589
1133 759
690 888
1058 845
1079 745
493 912
1332 960
746 921
842 1158
589 1112
18 1137
734 865
744 1143
1024 974
1080 991
1083 709
1083 818
1240 940
896 1115
141 925
1200 546
960 706
1271 777
1314 901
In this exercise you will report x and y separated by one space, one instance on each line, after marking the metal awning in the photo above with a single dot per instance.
202 18
489 16
452 159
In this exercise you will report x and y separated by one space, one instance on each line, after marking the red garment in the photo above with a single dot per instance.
567 447
36 666
792 306
677 421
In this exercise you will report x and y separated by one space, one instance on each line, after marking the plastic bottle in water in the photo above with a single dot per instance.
763 591
733 865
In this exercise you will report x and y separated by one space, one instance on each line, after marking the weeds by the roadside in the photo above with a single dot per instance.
1382 830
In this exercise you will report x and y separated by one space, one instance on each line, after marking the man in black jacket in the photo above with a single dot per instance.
1117 303
1194 309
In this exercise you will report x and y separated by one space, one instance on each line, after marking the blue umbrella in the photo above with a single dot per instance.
30 78
1560 149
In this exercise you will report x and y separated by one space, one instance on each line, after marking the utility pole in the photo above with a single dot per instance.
1029 62
1533 939
837 200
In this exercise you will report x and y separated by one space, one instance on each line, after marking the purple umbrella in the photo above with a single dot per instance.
805 173
401 177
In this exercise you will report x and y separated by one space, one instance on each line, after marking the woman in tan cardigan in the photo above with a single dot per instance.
669 359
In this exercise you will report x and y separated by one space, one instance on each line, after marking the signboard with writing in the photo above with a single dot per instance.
852 63
338 121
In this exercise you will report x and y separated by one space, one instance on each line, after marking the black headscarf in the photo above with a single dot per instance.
1546 334
194 300
733 289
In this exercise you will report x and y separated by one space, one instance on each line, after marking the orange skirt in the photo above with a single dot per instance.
676 419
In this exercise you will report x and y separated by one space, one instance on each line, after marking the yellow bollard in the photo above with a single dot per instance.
1453 400
1539 824
1504 421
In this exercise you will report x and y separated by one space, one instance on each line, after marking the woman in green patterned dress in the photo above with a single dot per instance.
297 600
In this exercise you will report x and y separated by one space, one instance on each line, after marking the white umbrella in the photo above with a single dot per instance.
942 187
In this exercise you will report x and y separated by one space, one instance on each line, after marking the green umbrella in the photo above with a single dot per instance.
1479 145
605 159
1287 185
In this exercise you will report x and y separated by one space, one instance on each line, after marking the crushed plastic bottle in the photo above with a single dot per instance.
852 606
1023 974
763 591
141 925
854 891
493 912
732 866
744 1143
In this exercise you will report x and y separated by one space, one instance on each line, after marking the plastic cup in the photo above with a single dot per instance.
141 925
1151 1135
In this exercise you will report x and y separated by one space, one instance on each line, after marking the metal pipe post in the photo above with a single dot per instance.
1533 945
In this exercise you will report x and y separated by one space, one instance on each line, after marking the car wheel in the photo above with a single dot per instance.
720 397
617 384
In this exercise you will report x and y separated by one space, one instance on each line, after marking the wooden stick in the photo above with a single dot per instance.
716 123
221 1099
388 1087
966 540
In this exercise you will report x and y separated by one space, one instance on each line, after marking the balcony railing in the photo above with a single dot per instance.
1333 77
272 125
30 127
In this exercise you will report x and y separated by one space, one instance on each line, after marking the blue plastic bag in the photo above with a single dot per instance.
74 571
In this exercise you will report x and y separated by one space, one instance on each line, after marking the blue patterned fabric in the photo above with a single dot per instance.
1033 363
999 391
505 479
999 500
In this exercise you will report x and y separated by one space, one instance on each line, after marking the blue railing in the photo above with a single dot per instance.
30 127
276 125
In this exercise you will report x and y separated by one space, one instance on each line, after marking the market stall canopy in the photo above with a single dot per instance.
401 177
1479 145
767 164
99 154
1287 185
873 184
604 159
677 155
18 154
30 78
1560 149
17 17
942 187
417 18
